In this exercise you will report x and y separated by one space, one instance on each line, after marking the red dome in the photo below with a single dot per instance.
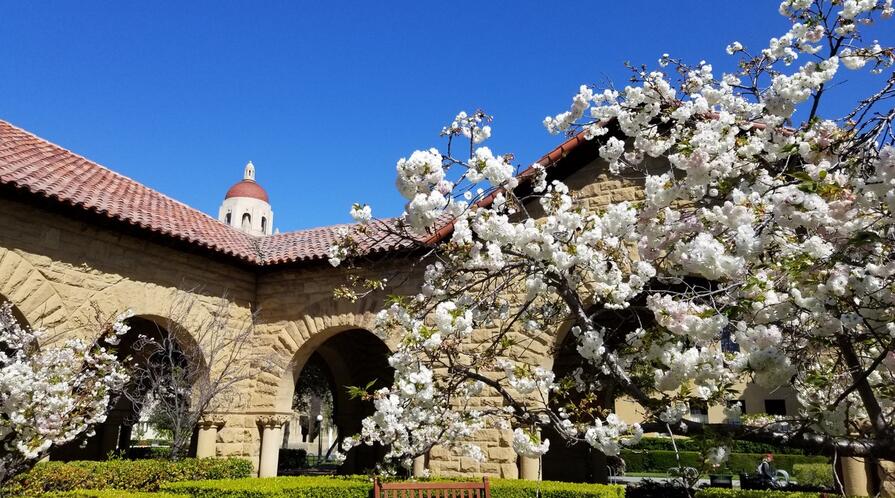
247 188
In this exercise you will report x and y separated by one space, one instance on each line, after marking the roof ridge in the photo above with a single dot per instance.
120 175
45 169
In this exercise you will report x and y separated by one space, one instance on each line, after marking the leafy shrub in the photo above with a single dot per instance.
276 487
737 446
109 493
361 487
746 493
748 462
132 475
813 474
152 452
649 488
292 459
658 460
661 461
505 488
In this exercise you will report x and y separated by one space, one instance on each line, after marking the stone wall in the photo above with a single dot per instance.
56 270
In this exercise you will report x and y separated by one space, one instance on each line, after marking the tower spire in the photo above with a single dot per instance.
249 173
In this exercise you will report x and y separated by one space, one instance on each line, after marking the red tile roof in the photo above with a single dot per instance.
33 165
314 243
44 169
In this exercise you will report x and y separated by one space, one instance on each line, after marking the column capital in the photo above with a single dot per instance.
211 422
272 421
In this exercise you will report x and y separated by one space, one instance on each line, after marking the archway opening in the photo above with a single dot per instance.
578 461
323 410
140 418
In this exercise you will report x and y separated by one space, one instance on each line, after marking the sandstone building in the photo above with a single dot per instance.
105 242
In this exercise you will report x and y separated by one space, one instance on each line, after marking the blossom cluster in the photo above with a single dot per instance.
51 393
775 239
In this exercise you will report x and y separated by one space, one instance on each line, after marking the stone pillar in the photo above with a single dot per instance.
271 440
886 473
854 476
529 468
419 466
206 446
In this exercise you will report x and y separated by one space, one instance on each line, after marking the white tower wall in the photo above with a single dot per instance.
248 214
259 212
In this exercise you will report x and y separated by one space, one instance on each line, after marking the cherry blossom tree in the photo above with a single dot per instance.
52 391
763 220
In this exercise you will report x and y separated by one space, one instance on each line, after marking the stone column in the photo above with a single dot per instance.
206 445
886 473
271 440
419 466
854 476
529 468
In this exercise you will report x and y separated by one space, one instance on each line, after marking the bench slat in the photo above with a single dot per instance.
440 489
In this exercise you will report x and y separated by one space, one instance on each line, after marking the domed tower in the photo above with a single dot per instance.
246 206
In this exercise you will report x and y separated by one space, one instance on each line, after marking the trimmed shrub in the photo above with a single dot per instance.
109 493
362 487
747 493
148 452
748 462
505 488
131 475
649 488
661 461
813 474
737 446
292 459
276 487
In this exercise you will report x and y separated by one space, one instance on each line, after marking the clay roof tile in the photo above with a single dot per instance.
43 169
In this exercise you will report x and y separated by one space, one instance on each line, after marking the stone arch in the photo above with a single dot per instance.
182 337
115 433
351 354
150 301
286 385
16 312
579 462
156 307
291 343
31 291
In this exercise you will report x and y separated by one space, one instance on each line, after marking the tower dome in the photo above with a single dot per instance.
246 205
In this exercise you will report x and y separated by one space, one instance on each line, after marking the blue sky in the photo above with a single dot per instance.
325 97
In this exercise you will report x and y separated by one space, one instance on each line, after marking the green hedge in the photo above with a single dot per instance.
744 493
661 461
737 446
132 475
361 487
109 493
813 474
275 487
501 488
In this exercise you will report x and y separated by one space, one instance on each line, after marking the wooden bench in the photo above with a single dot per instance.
432 489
